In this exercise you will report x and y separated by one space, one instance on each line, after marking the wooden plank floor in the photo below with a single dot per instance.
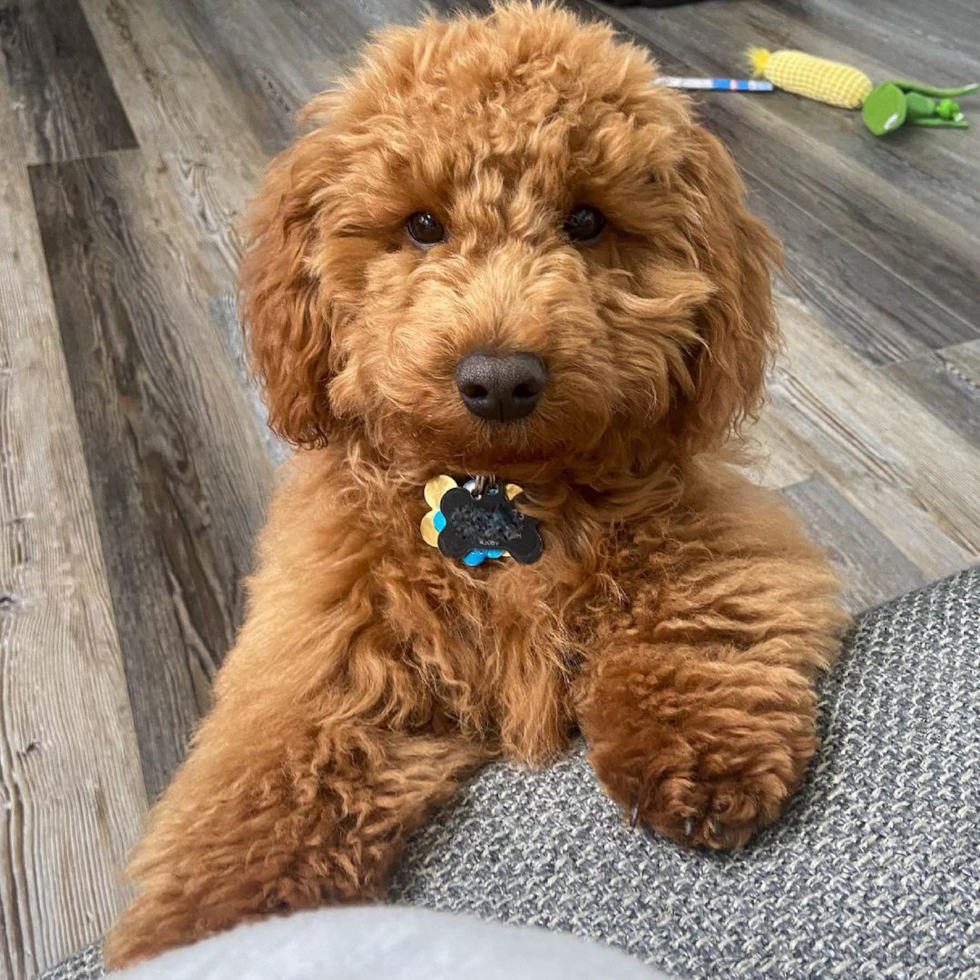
135 464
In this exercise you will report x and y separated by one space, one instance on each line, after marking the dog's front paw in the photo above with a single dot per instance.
705 763
713 791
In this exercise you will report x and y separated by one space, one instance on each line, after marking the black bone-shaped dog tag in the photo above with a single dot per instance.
489 521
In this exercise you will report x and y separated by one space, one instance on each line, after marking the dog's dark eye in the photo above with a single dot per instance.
583 223
425 229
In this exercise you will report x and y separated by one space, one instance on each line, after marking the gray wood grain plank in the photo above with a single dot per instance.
964 358
871 567
877 314
906 40
224 315
893 246
63 97
179 479
271 58
949 392
895 462
71 792
372 14
186 123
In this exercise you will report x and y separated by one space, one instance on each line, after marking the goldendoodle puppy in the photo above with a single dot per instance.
502 255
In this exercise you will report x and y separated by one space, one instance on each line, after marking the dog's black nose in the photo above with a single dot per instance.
501 388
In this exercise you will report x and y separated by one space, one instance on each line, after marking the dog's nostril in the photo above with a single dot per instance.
501 387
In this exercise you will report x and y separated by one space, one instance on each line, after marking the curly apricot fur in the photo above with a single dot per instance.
678 616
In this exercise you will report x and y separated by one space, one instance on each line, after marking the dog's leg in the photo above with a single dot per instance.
699 709
325 747
274 811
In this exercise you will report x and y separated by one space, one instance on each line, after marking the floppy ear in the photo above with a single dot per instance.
737 325
287 322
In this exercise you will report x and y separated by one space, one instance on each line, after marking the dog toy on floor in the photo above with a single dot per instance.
815 78
892 104
715 84
885 108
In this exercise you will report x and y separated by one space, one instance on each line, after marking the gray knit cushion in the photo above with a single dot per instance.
873 872
85 965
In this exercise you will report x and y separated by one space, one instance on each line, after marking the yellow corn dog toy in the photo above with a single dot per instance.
816 78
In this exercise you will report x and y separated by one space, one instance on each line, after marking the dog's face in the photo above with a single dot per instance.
504 248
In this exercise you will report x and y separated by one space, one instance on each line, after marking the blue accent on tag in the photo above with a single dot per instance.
475 557
478 555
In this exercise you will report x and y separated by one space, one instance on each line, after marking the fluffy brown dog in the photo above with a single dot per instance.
511 185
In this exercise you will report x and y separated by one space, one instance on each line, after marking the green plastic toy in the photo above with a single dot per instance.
893 104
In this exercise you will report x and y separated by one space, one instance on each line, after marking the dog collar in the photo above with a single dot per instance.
479 520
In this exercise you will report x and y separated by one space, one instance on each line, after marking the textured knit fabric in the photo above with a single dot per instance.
86 965
873 872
